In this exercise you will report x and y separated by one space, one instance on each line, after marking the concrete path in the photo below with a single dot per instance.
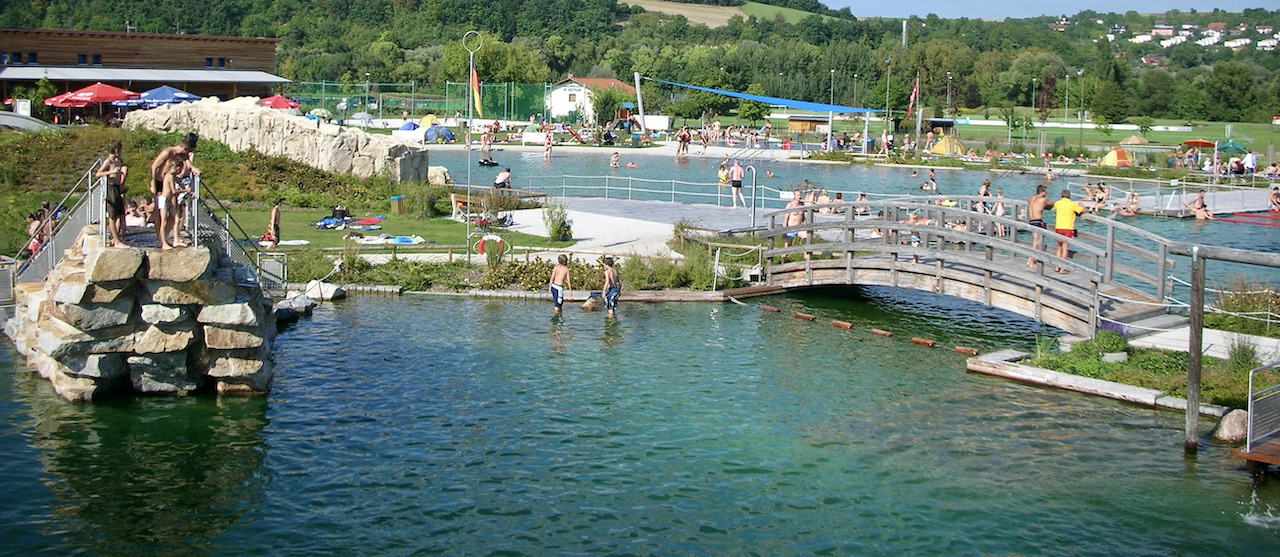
1217 344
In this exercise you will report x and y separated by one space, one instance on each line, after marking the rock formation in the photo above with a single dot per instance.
158 321
242 124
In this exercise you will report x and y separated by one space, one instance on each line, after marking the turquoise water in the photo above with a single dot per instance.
534 172
460 426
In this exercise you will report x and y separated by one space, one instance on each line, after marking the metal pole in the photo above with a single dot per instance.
948 97
831 112
1080 114
1194 351
470 99
752 168
888 78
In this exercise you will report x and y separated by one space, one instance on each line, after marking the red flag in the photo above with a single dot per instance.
914 91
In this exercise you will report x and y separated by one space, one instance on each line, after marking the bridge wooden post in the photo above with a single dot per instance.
1195 351
1111 252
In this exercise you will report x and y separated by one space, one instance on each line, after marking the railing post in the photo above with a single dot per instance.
1111 252
195 212
1161 268
673 191
1194 352
630 189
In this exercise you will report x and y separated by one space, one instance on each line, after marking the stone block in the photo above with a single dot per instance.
110 264
154 314
248 385
70 292
95 366
244 314
69 386
58 339
299 302
23 290
92 317
224 364
230 338
105 292
177 265
36 304
210 291
169 337
161 373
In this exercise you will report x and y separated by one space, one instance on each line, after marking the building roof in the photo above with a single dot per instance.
120 34
146 75
597 83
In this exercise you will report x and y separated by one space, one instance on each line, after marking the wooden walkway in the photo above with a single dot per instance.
1266 454
1110 275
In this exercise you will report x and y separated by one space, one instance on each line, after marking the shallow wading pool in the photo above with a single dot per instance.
460 426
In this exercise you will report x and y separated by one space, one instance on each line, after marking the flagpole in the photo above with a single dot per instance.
919 113
471 74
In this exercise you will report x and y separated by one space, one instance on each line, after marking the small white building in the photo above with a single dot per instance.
574 94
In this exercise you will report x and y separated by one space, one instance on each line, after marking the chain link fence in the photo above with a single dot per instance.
498 101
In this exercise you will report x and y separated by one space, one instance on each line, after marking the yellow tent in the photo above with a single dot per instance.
948 146
1117 157
427 120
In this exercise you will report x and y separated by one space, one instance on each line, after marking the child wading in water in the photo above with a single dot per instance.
612 286
560 282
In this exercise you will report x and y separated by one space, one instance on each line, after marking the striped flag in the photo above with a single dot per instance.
475 91
914 91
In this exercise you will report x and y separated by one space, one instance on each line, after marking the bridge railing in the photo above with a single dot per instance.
1264 410
943 233
61 233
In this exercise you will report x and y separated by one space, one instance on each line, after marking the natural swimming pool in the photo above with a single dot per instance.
462 426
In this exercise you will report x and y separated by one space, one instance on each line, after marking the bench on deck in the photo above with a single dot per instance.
462 204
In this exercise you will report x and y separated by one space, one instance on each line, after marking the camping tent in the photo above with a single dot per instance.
438 132
949 146
409 126
1117 157
1134 140
428 120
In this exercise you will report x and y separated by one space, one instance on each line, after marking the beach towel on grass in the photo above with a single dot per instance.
368 221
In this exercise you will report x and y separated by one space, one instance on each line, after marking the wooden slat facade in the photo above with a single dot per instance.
137 50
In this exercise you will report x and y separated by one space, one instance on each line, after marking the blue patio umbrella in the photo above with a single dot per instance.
158 96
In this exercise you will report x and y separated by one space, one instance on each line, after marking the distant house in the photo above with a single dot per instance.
574 94
1265 29
1218 27
1151 60
1057 27
1119 29
1191 26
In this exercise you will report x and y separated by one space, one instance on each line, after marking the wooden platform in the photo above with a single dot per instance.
1266 453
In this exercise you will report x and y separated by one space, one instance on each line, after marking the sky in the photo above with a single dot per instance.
1000 9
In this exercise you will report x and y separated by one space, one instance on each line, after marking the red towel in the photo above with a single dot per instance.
368 221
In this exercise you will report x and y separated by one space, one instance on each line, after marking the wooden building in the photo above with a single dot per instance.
204 65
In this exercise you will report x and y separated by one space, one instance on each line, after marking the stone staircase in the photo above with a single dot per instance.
146 320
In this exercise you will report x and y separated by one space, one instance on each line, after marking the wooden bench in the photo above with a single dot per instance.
462 204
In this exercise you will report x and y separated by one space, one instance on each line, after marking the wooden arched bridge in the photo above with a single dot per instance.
955 246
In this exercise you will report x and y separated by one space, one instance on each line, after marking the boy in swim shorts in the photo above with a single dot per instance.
612 286
560 281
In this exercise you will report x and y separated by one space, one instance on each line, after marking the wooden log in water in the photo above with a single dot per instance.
966 350
770 309
805 316
881 333
923 342
842 324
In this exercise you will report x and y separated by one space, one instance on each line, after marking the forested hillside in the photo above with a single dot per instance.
991 64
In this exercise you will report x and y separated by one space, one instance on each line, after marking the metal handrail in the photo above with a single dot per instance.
1266 415
85 209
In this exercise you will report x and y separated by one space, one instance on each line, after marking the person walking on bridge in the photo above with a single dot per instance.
1035 216
1066 212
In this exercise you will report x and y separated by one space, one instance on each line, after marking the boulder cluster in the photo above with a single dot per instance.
157 321
243 124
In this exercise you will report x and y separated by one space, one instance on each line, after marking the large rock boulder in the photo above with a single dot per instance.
155 314
1233 428
212 291
96 366
231 338
168 337
91 317
438 176
244 314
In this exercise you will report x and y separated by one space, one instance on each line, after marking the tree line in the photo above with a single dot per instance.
976 64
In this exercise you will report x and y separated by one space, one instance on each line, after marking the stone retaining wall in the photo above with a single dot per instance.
155 321
242 124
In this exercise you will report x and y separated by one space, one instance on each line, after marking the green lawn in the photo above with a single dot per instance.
767 12
299 224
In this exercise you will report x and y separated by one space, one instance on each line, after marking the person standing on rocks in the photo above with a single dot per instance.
181 154
273 223
115 172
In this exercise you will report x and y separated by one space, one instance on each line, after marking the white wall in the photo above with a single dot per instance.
559 105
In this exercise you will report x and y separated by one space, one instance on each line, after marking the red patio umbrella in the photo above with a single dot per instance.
62 101
93 94
277 101
1198 143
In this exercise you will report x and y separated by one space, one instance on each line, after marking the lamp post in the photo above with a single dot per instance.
1066 94
779 84
855 89
948 94
366 92
888 77
1033 95
1080 113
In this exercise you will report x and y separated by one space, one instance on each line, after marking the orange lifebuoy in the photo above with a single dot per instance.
490 241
